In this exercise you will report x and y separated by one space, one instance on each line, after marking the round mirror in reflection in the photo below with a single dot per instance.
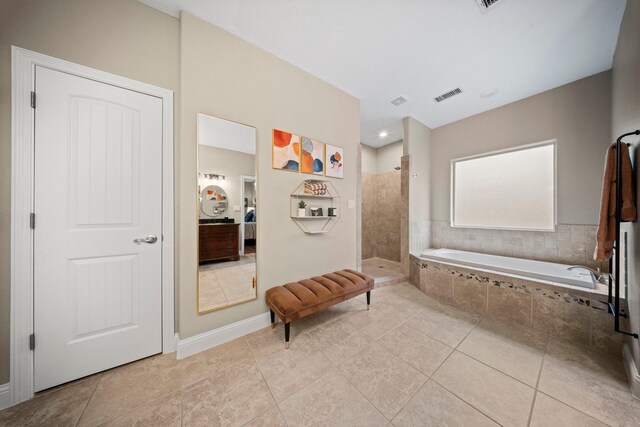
213 201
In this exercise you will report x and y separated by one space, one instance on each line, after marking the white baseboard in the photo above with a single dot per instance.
632 371
210 339
5 396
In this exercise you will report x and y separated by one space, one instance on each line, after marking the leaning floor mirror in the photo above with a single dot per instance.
227 213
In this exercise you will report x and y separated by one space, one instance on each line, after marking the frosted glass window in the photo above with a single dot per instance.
509 189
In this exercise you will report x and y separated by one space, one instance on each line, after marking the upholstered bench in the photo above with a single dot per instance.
296 300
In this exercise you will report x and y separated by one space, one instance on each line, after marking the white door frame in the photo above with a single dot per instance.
23 64
243 179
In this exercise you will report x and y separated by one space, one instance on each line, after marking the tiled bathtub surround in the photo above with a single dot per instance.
574 315
381 215
569 244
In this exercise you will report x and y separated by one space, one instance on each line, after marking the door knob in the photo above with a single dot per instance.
149 239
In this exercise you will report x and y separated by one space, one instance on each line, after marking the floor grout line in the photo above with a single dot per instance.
576 409
362 394
463 400
89 399
244 337
535 394
450 391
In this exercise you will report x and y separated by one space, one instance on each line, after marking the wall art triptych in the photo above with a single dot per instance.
294 153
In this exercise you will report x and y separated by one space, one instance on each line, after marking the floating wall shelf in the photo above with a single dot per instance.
316 194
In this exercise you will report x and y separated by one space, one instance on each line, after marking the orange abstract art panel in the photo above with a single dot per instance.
285 151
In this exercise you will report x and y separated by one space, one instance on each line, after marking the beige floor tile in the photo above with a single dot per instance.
241 288
248 297
405 303
433 405
267 341
375 322
204 364
496 395
124 388
548 412
330 314
447 325
162 412
271 418
380 293
330 400
593 383
60 407
339 340
288 370
423 353
234 396
384 379
511 349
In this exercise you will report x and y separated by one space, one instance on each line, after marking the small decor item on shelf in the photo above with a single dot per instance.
315 211
334 161
315 188
332 212
301 208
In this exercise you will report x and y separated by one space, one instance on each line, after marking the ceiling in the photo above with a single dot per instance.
378 50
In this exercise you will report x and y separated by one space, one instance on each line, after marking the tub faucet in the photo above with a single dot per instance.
596 275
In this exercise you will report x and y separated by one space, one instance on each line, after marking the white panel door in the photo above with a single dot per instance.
98 187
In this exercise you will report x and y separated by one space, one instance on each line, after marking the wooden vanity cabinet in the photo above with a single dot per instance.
218 242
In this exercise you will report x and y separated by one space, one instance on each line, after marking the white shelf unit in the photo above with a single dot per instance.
315 224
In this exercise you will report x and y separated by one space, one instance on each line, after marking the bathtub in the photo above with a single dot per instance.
540 270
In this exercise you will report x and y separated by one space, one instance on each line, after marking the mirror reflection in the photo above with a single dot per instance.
227 213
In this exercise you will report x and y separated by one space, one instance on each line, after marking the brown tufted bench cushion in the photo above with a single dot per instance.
300 299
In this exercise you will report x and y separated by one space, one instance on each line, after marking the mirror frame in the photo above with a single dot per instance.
255 278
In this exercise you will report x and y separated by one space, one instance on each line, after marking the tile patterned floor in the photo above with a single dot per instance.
384 272
226 283
408 361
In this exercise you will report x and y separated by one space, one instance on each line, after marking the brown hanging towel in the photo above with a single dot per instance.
607 224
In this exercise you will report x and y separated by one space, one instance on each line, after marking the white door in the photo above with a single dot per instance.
98 186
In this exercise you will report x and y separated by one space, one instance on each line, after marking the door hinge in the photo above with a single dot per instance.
33 99
32 221
32 342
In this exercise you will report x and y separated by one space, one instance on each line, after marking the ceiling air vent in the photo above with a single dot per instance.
448 95
396 102
487 4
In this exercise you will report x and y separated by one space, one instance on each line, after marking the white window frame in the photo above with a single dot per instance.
552 142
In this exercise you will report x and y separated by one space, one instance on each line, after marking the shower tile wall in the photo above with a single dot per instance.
569 244
381 215
368 215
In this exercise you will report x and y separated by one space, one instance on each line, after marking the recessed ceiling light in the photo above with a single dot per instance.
383 134
489 93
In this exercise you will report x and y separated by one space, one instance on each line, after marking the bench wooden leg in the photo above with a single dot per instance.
273 319
286 334
368 299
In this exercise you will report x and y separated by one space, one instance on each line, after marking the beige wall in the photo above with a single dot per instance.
226 77
418 145
625 109
576 114
388 157
118 36
233 165
369 159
